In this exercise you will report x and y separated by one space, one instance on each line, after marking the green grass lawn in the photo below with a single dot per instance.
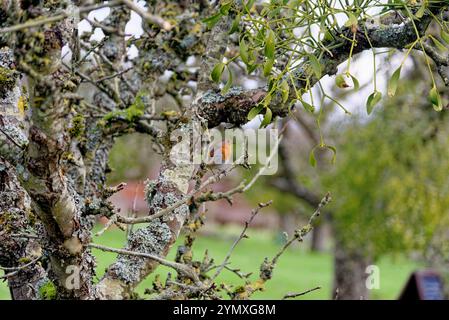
297 270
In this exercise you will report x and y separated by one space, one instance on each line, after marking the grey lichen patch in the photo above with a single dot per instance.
158 200
150 189
94 207
188 42
10 91
111 50
6 57
394 35
14 218
169 200
13 139
391 32
156 61
212 97
179 176
153 239
266 270
14 132
85 222
96 158
297 75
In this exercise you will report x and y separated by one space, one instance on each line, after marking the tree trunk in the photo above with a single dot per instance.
349 274
318 240
287 223
25 283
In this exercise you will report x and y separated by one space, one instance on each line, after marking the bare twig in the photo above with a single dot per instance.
24 235
17 269
240 237
274 151
59 17
300 233
181 268
118 74
267 266
112 220
151 18
133 212
187 198
295 295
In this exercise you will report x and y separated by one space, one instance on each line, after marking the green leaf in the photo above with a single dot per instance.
444 35
217 71
254 112
228 83
340 81
312 159
328 36
224 9
267 118
352 20
435 99
438 44
244 51
270 43
235 25
393 83
265 11
420 13
212 20
316 66
308 106
267 100
248 5
285 90
372 100
355 82
268 65
334 151
251 67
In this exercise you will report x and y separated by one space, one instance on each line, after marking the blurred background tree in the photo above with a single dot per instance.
389 180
